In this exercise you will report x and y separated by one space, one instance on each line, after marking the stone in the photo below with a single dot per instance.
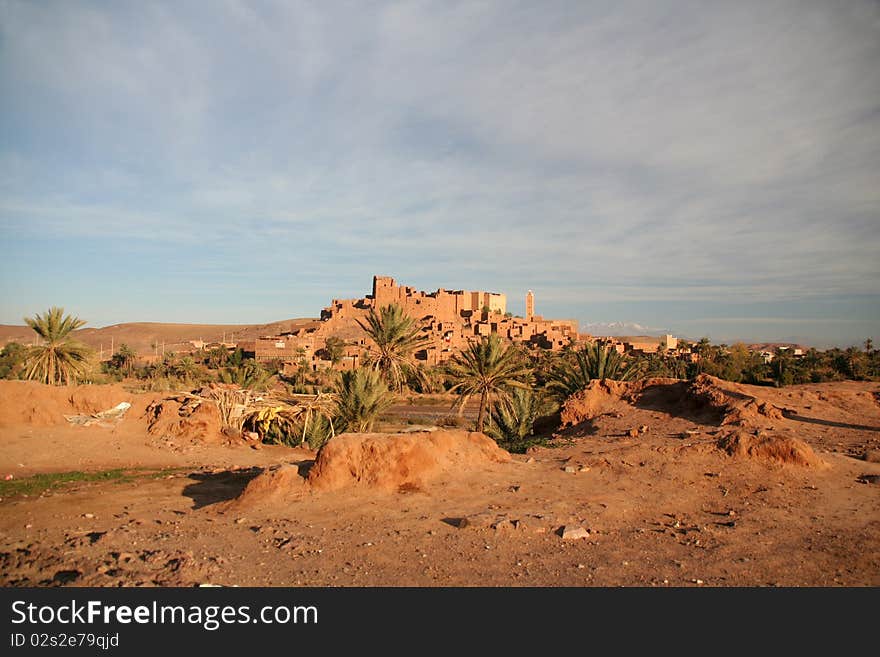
477 521
572 532
643 428
870 479
502 524
570 469
872 456
257 446
531 459
633 433
584 468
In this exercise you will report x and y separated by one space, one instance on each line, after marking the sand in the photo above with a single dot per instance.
674 484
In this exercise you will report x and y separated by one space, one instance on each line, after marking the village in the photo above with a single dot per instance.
450 319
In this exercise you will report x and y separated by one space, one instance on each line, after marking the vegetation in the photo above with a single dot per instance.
592 361
488 368
334 349
12 359
512 421
361 396
40 483
248 375
396 337
60 359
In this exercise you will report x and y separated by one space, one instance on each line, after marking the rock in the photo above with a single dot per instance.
633 433
572 532
584 468
502 525
570 469
872 456
531 459
870 479
643 428
251 435
88 515
257 446
478 521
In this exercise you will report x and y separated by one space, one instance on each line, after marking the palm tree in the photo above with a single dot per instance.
396 337
334 349
514 419
361 396
592 361
124 359
249 375
60 359
487 368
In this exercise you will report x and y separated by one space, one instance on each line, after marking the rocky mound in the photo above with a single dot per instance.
706 399
400 461
772 449
37 404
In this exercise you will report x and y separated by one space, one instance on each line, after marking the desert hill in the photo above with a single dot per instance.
142 336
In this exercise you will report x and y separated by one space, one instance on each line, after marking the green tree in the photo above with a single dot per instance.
362 396
60 359
334 348
396 337
124 359
488 368
782 367
12 359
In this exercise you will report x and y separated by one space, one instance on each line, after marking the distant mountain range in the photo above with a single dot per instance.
621 328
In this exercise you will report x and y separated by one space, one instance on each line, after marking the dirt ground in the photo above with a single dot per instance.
642 473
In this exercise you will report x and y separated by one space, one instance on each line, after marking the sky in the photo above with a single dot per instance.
709 168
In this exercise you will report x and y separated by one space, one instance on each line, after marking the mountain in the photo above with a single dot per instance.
621 329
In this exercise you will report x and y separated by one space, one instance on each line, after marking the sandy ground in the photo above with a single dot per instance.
666 507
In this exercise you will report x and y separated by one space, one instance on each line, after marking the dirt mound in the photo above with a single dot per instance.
734 406
773 449
186 418
271 486
706 399
602 395
40 405
400 461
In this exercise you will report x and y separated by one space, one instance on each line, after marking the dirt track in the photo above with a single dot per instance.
663 507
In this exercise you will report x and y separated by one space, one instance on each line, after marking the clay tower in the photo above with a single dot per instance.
530 306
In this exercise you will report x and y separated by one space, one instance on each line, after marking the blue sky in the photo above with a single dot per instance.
708 167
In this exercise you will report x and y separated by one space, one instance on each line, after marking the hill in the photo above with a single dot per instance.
145 337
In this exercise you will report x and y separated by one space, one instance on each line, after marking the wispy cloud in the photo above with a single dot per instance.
606 153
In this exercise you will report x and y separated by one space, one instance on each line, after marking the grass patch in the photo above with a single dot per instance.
40 483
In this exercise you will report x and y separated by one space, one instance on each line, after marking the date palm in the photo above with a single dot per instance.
514 419
396 337
488 368
60 359
592 361
361 396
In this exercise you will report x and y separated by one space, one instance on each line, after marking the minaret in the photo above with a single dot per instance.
530 306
